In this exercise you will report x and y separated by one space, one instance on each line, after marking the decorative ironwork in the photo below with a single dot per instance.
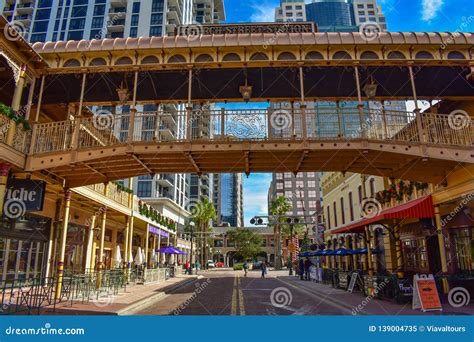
246 126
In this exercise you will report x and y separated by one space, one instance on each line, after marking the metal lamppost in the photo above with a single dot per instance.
191 225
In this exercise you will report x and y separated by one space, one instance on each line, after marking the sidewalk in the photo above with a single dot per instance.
359 304
132 300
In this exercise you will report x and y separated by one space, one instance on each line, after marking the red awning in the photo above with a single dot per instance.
419 208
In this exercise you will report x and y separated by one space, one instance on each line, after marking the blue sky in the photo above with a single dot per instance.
402 15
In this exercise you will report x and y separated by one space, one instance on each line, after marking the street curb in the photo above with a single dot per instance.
133 308
321 296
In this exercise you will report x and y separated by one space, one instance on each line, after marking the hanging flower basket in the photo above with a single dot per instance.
15 116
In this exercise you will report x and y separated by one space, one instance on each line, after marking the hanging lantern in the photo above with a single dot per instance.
370 88
123 92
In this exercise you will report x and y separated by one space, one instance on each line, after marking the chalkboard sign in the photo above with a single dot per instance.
343 280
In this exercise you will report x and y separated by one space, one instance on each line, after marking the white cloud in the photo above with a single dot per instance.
263 11
430 9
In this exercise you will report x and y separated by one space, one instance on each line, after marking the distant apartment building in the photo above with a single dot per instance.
290 10
51 20
228 200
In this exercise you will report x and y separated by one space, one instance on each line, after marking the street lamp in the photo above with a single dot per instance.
191 226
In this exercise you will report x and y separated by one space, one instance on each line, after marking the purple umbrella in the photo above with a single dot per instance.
170 250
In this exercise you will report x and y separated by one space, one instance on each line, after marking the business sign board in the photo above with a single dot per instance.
158 231
23 195
425 293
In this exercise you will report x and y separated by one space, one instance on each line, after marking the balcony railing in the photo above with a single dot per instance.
121 197
21 139
260 124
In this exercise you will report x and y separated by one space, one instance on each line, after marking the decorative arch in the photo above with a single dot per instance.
202 58
286 56
396 55
259 56
369 55
98 61
314 55
231 57
456 55
423 55
124 61
71 63
177 59
150 60
341 55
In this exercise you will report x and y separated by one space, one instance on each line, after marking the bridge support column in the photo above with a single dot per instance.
90 243
189 110
368 244
62 242
100 262
16 103
4 171
442 244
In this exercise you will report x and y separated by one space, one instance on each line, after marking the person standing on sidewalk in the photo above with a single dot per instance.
307 265
245 267
197 266
264 269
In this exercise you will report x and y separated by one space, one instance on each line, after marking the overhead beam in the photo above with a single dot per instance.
138 160
191 159
304 154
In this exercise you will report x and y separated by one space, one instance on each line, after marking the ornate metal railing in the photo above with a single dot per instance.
21 138
258 124
33 295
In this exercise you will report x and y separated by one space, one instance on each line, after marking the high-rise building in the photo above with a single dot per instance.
332 15
227 198
368 11
290 10
50 20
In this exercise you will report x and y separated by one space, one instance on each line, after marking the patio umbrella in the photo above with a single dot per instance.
118 257
170 250
343 252
138 257
153 256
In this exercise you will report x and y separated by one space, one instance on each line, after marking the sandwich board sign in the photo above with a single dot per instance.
352 283
425 293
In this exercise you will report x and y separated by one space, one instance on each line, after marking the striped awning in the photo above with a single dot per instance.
419 208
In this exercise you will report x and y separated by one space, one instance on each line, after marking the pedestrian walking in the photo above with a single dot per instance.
197 265
301 268
246 267
264 269
187 265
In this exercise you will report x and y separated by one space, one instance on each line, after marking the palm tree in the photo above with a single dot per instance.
279 208
202 214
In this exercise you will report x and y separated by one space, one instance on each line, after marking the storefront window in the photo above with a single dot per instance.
464 247
415 255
